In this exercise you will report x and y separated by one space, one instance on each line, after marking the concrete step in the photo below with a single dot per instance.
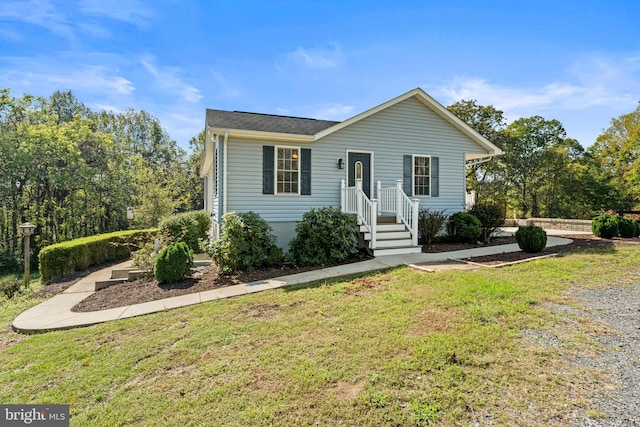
201 262
121 273
101 284
392 243
397 250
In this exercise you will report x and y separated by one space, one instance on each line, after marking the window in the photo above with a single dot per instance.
421 175
288 170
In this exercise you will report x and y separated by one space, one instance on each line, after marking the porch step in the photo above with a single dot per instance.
397 251
391 235
101 284
382 228
392 243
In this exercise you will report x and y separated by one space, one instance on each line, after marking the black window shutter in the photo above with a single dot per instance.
407 175
267 169
435 177
305 178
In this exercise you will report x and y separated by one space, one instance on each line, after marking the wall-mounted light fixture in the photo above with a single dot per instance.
340 163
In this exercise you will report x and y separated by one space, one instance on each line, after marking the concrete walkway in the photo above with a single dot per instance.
55 313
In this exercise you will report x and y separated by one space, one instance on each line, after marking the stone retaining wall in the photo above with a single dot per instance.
553 223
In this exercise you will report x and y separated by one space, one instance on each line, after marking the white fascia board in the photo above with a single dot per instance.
265 136
207 160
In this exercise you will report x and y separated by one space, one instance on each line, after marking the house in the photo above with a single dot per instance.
383 165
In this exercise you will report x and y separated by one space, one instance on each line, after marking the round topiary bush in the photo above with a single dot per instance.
627 228
605 226
173 263
531 239
323 236
464 227
246 243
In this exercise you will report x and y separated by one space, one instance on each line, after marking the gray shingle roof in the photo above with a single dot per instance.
221 119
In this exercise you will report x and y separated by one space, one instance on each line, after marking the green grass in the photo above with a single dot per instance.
399 347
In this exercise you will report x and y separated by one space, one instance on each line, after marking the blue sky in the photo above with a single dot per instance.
575 61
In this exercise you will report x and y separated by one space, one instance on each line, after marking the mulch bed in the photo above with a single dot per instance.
207 278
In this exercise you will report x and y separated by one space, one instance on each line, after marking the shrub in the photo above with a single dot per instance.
605 226
246 242
11 287
145 258
531 238
188 227
63 258
637 233
464 227
626 227
430 223
491 216
173 263
323 236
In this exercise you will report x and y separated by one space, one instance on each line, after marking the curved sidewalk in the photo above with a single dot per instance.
55 313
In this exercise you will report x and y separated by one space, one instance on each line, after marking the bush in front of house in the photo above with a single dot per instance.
430 223
491 216
464 227
246 242
627 228
531 238
324 236
605 226
173 263
60 259
188 227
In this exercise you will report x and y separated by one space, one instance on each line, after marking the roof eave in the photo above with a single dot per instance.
263 136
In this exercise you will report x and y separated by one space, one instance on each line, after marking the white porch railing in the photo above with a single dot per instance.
354 200
390 200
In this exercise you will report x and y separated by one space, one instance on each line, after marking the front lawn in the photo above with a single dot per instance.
399 347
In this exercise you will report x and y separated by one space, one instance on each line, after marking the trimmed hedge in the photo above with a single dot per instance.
60 259
605 226
464 227
188 227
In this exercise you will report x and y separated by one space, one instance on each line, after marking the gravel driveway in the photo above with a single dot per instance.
619 308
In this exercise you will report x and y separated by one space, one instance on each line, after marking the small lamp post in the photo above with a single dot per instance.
130 216
26 230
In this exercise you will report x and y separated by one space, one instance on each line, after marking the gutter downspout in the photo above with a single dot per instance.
224 172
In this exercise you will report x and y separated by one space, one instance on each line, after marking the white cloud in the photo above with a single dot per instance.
333 111
166 78
38 12
318 59
129 11
592 82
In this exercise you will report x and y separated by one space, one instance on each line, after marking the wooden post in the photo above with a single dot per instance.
359 200
374 221
378 191
398 201
414 223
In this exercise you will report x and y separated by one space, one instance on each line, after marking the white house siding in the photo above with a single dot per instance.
408 127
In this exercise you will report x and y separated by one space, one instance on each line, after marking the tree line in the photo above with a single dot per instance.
544 173
73 172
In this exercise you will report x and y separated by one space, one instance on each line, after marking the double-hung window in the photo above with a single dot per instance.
421 175
288 170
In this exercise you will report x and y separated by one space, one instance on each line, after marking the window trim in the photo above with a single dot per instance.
276 169
413 174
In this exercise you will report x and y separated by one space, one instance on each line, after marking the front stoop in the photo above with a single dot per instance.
391 238
122 275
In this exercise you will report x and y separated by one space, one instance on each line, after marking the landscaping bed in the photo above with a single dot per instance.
204 279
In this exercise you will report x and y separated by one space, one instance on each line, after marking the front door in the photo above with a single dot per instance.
359 166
